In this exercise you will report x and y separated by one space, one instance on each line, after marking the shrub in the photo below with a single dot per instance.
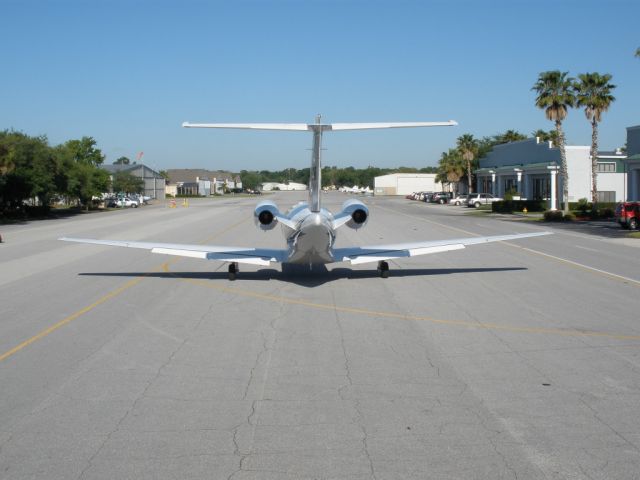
558 216
583 206
507 206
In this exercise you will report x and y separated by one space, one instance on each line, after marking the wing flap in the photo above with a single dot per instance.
366 255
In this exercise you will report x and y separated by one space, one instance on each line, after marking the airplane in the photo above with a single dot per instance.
309 229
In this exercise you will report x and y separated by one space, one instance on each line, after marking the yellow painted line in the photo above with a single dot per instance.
373 313
597 271
100 301
614 276
71 317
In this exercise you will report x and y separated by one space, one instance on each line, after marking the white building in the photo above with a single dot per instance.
531 168
405 183
290 186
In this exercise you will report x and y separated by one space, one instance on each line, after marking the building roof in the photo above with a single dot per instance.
511 168
189 175
612 153
122 167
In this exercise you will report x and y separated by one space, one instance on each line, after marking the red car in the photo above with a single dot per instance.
628 214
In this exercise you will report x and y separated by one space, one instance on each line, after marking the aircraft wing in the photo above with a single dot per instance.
254 256
357 255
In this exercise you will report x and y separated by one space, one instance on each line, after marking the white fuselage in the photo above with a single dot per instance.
312 239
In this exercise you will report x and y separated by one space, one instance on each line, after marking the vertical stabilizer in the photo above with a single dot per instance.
315 173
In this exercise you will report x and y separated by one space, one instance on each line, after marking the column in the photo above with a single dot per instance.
553 173
493 183
519 184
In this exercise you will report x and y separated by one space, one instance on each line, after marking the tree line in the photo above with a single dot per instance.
34 173
339 177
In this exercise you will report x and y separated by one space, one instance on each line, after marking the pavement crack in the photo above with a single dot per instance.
360 416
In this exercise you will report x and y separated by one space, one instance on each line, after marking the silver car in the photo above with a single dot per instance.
459 200
477 199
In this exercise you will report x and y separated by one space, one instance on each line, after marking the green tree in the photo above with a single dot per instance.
544 136
593 93
28 170
127 183
122 161
85 151
509 136
468 148
637 54
451 167
86 181
556 96
84 178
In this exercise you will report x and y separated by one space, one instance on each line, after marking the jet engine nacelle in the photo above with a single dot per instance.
265 215
358 212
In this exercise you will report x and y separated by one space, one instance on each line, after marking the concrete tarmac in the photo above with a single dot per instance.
509 360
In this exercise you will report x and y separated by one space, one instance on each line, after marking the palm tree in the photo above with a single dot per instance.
450 167
593 92
555 96
468 148
545 136
510 136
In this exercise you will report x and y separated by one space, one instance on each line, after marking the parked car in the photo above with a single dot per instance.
628 214
126 202
440 197
459 200
425 196
477 199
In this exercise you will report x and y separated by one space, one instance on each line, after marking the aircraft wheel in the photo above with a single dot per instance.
383 268
233 270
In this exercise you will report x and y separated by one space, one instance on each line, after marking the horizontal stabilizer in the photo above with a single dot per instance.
303 127
367 126
251 126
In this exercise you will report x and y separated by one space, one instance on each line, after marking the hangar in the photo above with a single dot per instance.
405 183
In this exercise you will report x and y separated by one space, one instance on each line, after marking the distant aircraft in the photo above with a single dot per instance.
310 230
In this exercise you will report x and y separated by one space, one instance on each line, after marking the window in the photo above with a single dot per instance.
606 167
607 197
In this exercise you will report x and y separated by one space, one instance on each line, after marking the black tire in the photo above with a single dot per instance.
233 270
477 204
441 201
633 223
383 269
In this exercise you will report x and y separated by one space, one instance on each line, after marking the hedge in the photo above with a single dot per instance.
510 206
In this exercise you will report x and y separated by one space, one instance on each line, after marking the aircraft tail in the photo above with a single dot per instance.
315 179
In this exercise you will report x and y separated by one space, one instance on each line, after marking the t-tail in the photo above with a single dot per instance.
318 128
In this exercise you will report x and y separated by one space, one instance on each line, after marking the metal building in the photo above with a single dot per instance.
405 183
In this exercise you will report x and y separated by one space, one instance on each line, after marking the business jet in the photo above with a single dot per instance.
309 229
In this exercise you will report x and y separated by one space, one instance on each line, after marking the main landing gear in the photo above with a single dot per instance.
383 269
233 270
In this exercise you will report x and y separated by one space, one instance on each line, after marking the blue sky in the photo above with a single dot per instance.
129 73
